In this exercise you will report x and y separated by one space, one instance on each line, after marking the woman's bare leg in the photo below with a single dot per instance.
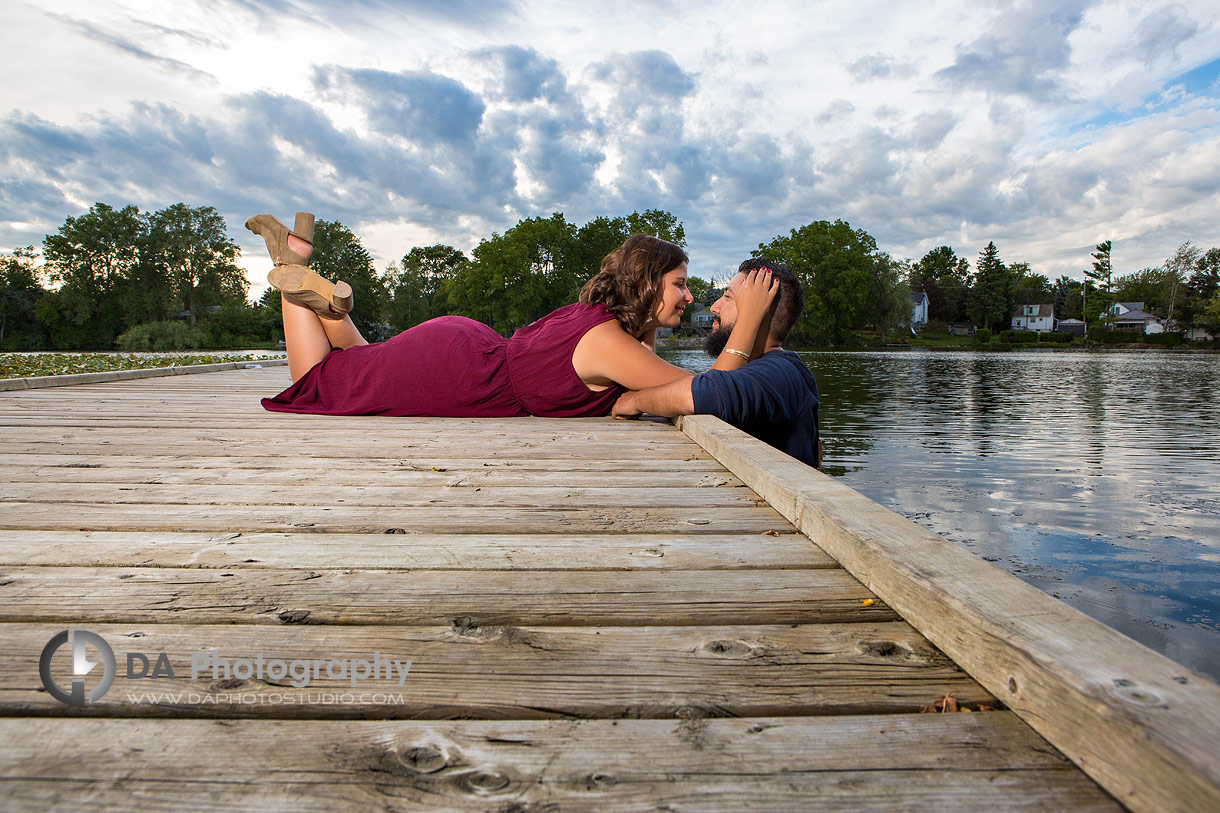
308 337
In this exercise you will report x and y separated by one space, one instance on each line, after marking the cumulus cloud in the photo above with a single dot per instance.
879 66
526 75
1159 35
419 105
1023 51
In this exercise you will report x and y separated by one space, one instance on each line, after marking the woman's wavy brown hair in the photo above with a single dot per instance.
629 283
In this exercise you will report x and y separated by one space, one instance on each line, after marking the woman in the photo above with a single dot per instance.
574 362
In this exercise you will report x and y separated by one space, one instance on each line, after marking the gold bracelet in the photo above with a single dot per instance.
745 356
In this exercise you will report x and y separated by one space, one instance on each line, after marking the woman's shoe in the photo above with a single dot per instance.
301 285
276 235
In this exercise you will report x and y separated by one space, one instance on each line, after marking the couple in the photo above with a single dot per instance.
592 358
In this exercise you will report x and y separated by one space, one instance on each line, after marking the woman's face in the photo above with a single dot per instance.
674 297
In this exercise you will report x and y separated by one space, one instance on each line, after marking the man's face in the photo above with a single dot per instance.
724 311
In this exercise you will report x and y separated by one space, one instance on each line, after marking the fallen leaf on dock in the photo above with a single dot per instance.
868 602
948 704
770 533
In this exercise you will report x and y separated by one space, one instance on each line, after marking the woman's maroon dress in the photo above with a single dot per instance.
459 368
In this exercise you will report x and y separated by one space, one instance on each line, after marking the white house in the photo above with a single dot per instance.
919 310
701 319
1034 317
1130 317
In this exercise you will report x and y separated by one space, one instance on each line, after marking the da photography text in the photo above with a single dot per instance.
90 650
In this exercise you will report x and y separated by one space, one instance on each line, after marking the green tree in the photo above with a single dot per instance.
190 248
945 278
835 263
658 223
889 296
990 302
1101 273
1030 288
419 281
1067 294
339 255
93 257
20 292
1200 271
699 290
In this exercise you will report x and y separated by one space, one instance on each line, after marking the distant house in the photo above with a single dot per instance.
701 320
1074 326
1034 317
1198 334
919 310
1130 317
962 328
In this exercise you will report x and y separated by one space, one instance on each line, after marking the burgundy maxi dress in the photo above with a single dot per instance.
458 368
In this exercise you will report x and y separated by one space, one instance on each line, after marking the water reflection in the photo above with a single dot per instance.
1092 476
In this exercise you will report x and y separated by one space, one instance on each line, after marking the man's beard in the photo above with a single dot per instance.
716 340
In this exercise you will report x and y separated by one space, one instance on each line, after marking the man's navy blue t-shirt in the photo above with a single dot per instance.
774 398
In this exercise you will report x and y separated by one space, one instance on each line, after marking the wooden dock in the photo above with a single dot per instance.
597 615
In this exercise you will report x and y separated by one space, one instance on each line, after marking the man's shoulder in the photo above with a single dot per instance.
782 361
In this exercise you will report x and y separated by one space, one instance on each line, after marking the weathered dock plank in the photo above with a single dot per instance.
438 551
841 763
515 672
404 597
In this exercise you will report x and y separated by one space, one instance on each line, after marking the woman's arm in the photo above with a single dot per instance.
749 335
607 355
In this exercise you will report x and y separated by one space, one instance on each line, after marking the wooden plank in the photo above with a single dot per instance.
939 762
742 519
286 464
508 672
464 475
1143 726
405 496
464 552
391 444
82 595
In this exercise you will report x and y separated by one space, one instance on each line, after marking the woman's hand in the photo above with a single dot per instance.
756 294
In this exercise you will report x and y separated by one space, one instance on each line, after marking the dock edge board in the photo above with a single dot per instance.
1144 727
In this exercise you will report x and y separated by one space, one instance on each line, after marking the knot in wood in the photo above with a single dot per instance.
293 616
596 781
728 648
414 761
1143 697
885 649
483 782
395 530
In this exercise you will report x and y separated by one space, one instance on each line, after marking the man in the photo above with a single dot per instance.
774 397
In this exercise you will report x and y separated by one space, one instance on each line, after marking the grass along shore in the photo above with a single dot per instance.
30 365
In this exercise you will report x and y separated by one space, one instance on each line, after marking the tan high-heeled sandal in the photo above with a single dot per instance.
305 287
276 235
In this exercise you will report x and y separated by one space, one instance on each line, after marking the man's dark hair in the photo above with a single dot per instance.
788 305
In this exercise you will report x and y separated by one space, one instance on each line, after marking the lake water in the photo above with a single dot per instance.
1093 476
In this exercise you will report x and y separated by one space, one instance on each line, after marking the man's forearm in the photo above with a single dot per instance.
668 400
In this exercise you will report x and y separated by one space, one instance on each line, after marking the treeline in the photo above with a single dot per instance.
167 280
1184 290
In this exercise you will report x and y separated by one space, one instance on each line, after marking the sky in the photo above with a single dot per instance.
1045 126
